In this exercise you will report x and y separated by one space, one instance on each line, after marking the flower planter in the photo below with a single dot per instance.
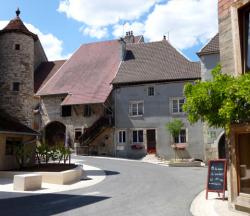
137 146
180 146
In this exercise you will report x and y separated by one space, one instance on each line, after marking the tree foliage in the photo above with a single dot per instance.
221 101
174 127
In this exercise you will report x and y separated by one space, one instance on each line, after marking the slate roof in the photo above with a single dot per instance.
45 71
211 47
9 124
155 61
87 75
16 25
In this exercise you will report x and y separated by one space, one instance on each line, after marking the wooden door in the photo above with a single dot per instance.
151 141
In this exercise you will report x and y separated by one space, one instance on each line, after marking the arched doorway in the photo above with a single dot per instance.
222 147
55 133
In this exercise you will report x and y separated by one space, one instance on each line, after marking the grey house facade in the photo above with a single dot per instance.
148 93
214 138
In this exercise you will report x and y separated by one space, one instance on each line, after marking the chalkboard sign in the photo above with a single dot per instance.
216 179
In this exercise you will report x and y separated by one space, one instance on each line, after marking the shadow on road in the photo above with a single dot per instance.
101 172
45 205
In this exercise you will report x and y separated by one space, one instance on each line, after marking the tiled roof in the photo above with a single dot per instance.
45 71
155 61
211 47
9 124
87 75
16 25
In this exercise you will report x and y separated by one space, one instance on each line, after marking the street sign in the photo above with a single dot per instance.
216 179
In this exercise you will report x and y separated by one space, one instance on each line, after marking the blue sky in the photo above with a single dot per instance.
63 25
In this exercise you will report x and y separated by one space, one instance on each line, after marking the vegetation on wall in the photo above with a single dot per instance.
220 102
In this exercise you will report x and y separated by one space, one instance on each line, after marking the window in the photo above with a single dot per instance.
15 86
138 136
87 110
10 145
177 105
66 111
151 91
17 47
108 111
78 133
136 108
122 136
244 17
181 138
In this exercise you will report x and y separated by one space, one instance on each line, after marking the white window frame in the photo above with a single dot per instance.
137 136
135 104
179 105
150 92
179 137
123 135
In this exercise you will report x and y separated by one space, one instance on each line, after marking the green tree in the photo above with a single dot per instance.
219 102
174 127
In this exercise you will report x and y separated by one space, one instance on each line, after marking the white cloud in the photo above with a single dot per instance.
52 45
120 30
103 13
97 32
187 21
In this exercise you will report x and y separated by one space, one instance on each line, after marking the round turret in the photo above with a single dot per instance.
17 70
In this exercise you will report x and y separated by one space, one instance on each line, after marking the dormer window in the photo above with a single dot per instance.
15 86
17 46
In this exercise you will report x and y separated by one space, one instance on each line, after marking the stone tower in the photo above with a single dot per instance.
17 47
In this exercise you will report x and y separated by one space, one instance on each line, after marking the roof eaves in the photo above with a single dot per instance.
208 53
154 81
21 133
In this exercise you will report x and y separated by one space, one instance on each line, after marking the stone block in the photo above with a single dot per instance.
27 182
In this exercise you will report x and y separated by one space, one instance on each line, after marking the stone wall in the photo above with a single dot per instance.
39 54
157 112
51 111
230 50
17 66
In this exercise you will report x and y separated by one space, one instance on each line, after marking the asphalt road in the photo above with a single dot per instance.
130 189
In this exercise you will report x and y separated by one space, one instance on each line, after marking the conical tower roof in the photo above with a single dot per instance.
16 25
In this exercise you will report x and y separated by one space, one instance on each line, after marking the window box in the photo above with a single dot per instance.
179 146
137 146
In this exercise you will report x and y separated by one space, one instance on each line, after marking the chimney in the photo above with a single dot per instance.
122 48
129 38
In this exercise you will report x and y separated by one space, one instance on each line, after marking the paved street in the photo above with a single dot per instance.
131 188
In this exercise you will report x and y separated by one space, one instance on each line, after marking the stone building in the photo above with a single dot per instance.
76 104
20 53
148 93
214 138
234 57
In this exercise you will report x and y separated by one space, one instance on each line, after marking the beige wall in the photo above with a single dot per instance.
51 111
9 161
